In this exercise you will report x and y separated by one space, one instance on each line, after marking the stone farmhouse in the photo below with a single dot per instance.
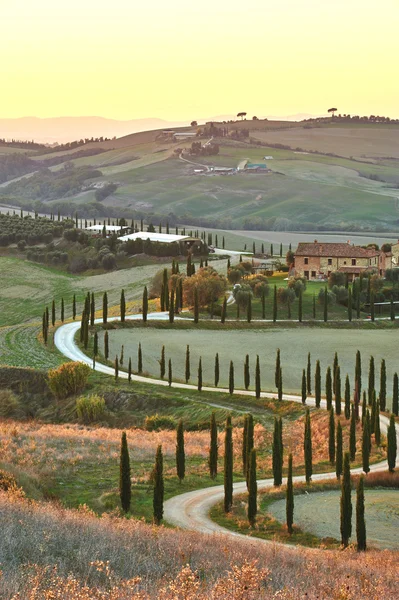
317 260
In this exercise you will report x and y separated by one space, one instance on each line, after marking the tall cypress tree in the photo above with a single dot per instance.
309 376
366 444
116 368
371 384
280 386
180 454
364 406
123 306
352 435
252 489
125 485
196 305
290 497
329 388
334 370
217 369
338 391
162 363
304 395
346 503
244 445
106 346
250 443
105 307
360 520
331 437
74 307
395 395
383 386
162 299
53 318
392 444
158 487
373 411
246 372
231 378
339 452
257 378
307 447
92 310
139 359
199 385
377 429
129 370
172 307
325 307
275 304
187 366
349 305
278 366
170 374
317 384
145 304
347 410
62 310
213 448
224 310
228 466
276 458
358 372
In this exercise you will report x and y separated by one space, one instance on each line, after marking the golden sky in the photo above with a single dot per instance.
180 59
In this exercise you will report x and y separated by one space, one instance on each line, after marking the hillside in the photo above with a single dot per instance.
317 184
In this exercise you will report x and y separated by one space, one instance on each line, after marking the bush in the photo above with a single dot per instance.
9 404
70 378
336 279
7 481
298 284
157 422
210 286
91 408
108 262
331 297
341 294
285 295
22 244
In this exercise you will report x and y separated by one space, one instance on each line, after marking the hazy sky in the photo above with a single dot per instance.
180 59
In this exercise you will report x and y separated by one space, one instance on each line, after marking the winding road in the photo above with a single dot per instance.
191 510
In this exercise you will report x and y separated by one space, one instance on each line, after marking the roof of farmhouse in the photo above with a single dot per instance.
330 250
100 227
166 238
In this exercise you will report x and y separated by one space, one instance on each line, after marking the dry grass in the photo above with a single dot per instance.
49 552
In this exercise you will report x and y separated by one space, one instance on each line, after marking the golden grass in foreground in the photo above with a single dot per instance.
52 553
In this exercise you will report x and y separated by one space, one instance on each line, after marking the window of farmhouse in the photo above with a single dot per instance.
353 261
330 261
306 261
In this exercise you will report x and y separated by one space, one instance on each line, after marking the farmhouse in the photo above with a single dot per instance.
186 242
317 260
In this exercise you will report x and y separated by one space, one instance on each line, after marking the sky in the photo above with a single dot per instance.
181 60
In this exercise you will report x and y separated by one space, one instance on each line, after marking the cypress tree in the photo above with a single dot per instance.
200 375
44 328
123 306
371 384
347 410
246 372
187 368
165 289
95 348
224 310
263 300
252 489
250 443
309 376
331 437
162 299
290 497
358 372
366 444
392 444
317 384
228 466
358 301
231 378
339 452
373 411
395 395
158 487
129 370
257 378
213 448
122 355
383 386
85 325
360 520
304 395
334 370
106 346
328 388
196 306
276 459
180 454
172 307
300 307
280 386
307 447
377 429
275 304
349 305
364 407
392 309
145 304
249 309
338 391
346 503
352 435
92 309
162 363
82 326
139 359
47 317
325 308
105 307
271 250
244 445
278 367
170 376
62 310
217 369
53 313
281 250
74 307
125 485
116 368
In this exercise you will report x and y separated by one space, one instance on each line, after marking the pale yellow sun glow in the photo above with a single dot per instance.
182 59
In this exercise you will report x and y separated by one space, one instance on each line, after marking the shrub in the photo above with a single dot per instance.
157 422
298 284
341 293
91 408
285 295
9 404
209 284
336 278
108 262
331 298
7 481
70 378
21 245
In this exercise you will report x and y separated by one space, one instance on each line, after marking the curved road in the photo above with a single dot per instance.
191 510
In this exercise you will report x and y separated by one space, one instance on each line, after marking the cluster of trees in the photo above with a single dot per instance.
197 149
14 165
346 118
105 191
29 231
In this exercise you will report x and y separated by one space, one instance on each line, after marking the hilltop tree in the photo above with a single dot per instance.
158 487
213 448
242 115
180 454
333 111
125 486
